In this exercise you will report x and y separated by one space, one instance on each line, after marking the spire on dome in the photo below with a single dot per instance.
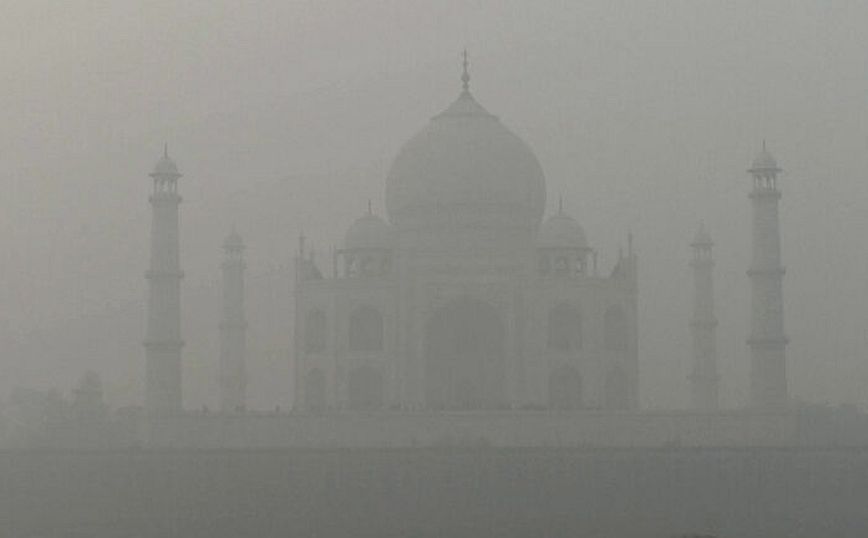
465 75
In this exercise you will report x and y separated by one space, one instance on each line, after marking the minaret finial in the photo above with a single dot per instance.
465 75
370 209
561 204
764 144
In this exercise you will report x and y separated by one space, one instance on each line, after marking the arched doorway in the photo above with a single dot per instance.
315 331
615 337
617 390
315 390
464 357
565 328
565 388
364 388
365 330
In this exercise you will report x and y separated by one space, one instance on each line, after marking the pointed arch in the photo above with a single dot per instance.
464 356
365 388
315 331
365 330
315 390
615 331
565 328
565 388
617 390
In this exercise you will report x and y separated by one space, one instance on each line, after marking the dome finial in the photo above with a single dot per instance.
465 75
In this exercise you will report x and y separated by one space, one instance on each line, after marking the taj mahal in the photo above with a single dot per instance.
466 313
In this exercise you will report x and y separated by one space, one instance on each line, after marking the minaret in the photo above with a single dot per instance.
163 341
465 74
233 327
703 326
768 378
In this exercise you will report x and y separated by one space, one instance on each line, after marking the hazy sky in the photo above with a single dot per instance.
644 115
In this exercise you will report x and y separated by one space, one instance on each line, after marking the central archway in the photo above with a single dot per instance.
464 357
364 388
565 388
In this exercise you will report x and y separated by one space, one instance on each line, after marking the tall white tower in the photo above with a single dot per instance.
233 328
703 325
163 341
768 378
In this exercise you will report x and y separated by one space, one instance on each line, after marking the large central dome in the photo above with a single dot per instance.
465 169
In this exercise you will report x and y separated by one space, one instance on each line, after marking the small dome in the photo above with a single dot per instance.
562 231
166 166
765 161
369 231
702 237
233 241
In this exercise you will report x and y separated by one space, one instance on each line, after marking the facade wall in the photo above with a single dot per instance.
597 358
425 284
338 300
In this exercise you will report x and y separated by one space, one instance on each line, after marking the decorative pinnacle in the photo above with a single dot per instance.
702 239
465 76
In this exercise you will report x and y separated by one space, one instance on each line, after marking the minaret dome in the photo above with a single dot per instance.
764 162
166 167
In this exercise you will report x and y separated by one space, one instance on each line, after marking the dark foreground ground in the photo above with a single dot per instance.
739 493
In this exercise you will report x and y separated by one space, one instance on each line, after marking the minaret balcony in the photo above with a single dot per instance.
765 192
156 274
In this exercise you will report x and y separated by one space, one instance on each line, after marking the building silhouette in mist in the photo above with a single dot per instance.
767 341
704 379
467 299
163 343
233 328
